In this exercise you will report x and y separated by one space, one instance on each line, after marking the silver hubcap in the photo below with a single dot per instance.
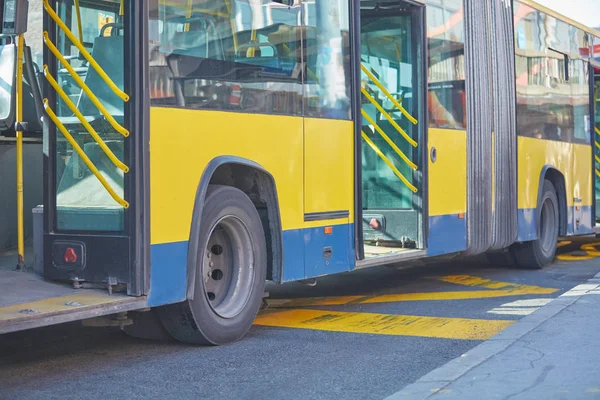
228 267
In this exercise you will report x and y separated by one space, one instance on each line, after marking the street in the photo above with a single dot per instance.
361 335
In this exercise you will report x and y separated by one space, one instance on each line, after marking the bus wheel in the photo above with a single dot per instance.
540 252
230 272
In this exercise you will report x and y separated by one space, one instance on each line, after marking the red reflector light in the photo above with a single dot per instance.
70 256
328 230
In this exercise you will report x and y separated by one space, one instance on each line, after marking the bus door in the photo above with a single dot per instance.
595 133
91 150
392 128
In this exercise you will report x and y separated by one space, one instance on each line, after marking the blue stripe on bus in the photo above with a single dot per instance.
527 222
304 252
168 273
303 258
586 221
447 234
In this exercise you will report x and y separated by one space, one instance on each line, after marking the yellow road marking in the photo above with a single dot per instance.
58 304
384 324
392 298
589 249
473 281
494 289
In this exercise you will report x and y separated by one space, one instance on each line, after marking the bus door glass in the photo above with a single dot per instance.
596 134
89 142
92 115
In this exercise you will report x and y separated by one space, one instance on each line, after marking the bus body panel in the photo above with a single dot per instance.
447 191
328 193
535 156
275 143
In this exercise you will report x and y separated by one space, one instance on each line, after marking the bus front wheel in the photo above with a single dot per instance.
540 252
230 272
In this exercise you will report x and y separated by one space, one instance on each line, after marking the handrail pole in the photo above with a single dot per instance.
84 87
52 14
388 94
79 27
19 156
84 122
389 163
388 117
388 140
84 156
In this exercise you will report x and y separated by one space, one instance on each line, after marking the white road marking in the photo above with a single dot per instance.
520 307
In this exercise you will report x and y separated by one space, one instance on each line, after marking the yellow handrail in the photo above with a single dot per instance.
84 87
78 13
121 94
388 140
388 94
19 155
233 27
84 156
84 122
388 162
389 117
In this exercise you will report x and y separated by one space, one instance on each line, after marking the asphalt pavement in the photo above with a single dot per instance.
369 334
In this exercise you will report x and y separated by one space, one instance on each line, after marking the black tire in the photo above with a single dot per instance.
231 241
146 325
541 252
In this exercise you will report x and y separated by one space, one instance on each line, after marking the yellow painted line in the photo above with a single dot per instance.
473 281
59 304
493 289
384 324
392 298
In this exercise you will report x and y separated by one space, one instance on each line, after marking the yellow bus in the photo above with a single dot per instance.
196 148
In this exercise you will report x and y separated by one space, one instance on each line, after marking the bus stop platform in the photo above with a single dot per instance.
553 353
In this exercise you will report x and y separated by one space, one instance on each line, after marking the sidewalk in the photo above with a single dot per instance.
553 353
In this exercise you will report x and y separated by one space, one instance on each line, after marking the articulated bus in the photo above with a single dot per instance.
194 149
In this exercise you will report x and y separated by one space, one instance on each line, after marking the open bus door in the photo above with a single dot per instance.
595 133
91 220
94 247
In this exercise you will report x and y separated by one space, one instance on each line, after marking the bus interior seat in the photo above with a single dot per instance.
109 53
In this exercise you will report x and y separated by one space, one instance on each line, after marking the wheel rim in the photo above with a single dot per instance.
548 223
228 267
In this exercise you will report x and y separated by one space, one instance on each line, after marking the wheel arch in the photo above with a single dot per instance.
557 179
256 182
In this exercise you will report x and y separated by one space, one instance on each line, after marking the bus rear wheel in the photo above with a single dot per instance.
540 252
230 272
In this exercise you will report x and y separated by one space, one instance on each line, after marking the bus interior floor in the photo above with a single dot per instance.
18 287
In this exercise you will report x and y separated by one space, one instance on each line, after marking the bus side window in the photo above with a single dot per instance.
226 56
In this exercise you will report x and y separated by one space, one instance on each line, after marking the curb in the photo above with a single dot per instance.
436 380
